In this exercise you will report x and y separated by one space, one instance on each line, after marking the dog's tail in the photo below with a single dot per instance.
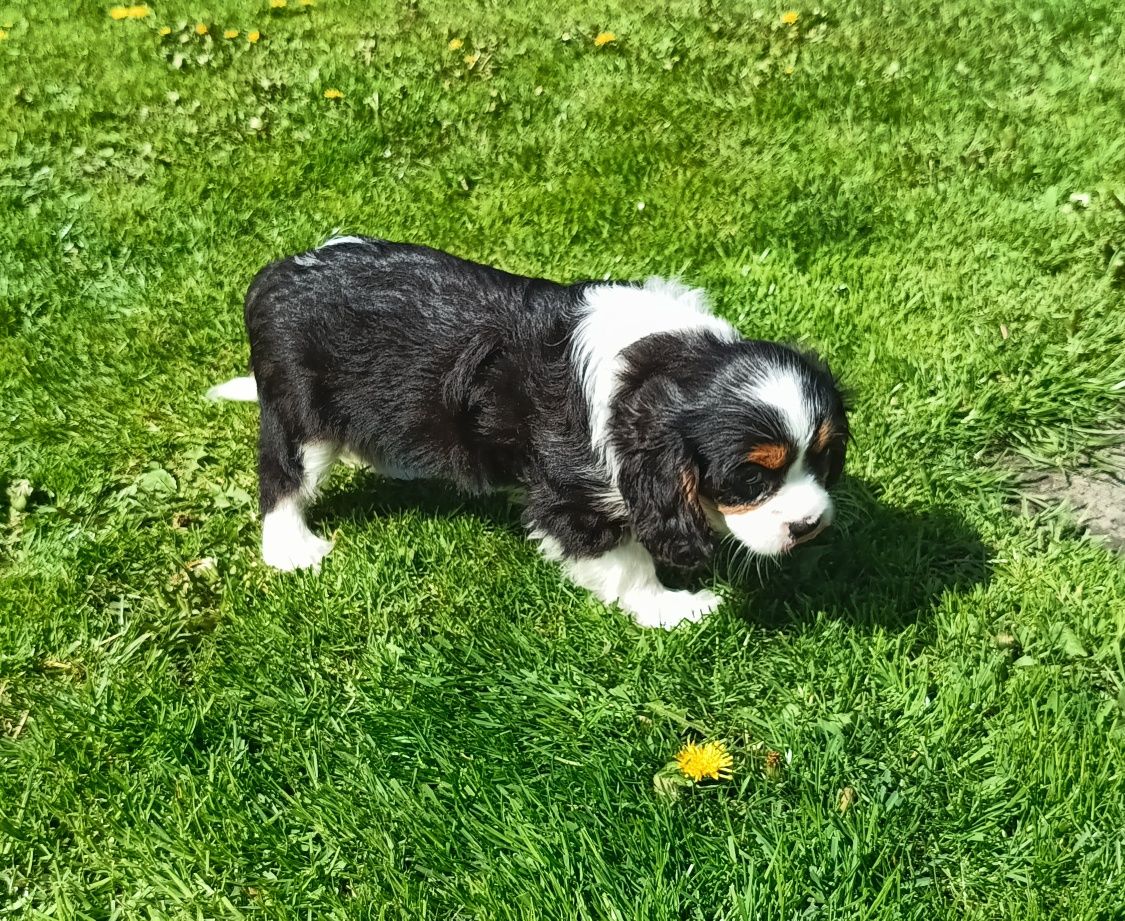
243 389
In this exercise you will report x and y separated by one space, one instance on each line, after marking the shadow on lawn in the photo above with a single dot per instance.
877 565
370 495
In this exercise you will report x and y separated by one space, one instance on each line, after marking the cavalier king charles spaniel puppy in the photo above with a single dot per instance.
636 424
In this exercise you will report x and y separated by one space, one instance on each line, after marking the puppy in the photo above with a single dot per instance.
636 423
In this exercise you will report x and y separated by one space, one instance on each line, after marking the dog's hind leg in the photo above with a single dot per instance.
289 472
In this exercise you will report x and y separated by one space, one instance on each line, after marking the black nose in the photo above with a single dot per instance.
799 530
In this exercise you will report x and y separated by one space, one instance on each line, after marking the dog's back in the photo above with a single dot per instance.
423 364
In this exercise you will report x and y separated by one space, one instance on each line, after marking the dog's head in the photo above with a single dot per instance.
745 438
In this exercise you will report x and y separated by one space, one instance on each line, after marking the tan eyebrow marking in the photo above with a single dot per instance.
770 456
741 509
824 434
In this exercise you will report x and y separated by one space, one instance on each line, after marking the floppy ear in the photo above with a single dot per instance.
658 477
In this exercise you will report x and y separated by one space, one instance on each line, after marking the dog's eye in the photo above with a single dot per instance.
747 472
750 476
827 465
746 483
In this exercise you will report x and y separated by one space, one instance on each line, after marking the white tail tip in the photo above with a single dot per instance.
243 389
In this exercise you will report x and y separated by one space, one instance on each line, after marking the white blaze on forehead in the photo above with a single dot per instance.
784 389
617 316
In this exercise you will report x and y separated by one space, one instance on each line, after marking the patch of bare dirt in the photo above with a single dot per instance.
1094 496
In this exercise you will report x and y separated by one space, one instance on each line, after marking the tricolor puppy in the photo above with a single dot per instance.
636 423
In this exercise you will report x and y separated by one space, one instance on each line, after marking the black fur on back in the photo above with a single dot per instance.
428 365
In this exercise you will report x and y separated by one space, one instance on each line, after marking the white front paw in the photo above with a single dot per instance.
667 608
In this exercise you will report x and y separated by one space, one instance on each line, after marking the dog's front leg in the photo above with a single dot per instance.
626 574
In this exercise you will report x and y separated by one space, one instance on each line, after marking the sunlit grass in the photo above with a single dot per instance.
923 709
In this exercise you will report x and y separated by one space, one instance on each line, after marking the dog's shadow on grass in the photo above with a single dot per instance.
876 566
368 495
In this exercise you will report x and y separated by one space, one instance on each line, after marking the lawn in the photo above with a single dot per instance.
926 707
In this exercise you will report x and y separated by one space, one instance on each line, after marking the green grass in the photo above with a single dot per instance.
438 726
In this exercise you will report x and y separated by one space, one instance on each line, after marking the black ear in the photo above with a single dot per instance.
658 476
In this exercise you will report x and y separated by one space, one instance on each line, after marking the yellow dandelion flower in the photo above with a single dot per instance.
230 33
277 4
790 17
3 34
456 44
252 37
711 759
201 28
604 38
165 30
333 94
129 12
471 60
